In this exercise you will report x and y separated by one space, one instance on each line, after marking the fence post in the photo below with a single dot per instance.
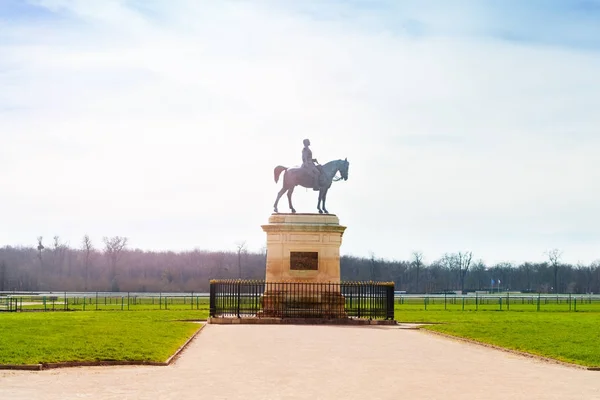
569 301
538 303
239 289
476 302
507 301
390 302
83 303
359 301
463 303
425 302
122 302
575 305
500 301
444 300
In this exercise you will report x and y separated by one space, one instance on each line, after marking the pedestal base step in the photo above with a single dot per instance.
329 305
298 321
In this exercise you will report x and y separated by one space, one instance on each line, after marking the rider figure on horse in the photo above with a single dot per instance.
309 163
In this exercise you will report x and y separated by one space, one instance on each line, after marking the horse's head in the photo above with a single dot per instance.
344 169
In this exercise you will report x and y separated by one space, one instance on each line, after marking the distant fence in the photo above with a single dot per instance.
9 304
90 301
240 298
500 302
132 301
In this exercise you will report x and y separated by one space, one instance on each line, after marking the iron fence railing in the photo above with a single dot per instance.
241 298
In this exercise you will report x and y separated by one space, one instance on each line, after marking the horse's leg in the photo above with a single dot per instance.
319 202
289 194
325 198
281 192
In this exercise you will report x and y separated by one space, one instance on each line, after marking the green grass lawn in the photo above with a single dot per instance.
141 335
566 336
31 338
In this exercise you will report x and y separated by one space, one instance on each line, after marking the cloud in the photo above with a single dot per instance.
163 122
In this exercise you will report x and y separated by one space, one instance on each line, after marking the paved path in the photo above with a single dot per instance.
315 362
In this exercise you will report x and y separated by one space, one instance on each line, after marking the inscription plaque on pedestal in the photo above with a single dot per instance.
304 260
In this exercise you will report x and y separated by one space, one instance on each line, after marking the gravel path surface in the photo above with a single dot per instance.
315 362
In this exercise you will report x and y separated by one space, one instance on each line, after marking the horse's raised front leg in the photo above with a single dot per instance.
281 192
319 202
289 194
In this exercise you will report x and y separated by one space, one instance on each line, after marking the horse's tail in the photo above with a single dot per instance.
278 170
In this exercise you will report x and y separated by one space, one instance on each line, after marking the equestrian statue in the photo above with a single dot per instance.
310 175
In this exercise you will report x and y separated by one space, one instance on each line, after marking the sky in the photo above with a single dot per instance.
469 126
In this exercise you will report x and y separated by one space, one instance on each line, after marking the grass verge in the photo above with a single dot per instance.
564 336
33 338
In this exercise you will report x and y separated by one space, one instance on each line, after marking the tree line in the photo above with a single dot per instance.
112 266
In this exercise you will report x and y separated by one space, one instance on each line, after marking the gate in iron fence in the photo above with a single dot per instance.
242 298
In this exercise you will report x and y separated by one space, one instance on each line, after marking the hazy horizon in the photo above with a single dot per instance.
468 126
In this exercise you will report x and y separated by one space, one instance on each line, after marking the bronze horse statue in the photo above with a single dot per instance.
301 176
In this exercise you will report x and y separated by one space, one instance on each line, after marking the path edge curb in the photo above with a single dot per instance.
175 355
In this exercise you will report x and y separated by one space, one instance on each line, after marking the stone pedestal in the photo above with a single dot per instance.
303 253
293 240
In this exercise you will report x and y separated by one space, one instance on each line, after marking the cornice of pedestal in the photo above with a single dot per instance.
302 222
279 228
304 219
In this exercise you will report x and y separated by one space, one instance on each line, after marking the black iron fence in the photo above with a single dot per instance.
242 298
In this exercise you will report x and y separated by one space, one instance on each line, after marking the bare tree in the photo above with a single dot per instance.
2 275
460 262
417 262
241 248
374 264
113 248
478 274
464 262
88 248
40 247
58 252
554 257
596 267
